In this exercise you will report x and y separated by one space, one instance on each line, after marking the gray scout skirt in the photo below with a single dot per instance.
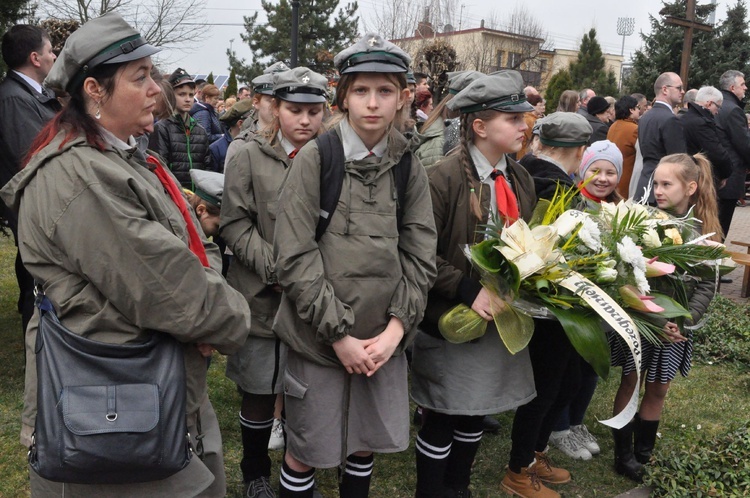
475 378
258 367
331 414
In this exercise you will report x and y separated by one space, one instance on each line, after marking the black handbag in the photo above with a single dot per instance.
107 413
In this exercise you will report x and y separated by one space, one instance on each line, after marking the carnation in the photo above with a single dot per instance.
590 234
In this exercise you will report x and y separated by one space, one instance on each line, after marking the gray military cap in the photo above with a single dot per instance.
410 79
105 40
565 129
458 80
372 54
240 110
209 185
301 85
501 91
278 67
263 84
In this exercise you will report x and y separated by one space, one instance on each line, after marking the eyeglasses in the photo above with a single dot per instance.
678 87
714 103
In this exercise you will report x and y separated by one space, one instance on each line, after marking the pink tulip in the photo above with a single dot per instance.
637 301
656 268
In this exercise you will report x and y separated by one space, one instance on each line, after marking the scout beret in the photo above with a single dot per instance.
277 67
209 185
603 150
565 129
263 84
238 111
180 77
458 80
501 91
372 54
301 85
597 105
105 40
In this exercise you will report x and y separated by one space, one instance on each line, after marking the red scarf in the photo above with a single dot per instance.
194 241
588 194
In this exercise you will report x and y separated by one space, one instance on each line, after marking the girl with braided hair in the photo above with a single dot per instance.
458 384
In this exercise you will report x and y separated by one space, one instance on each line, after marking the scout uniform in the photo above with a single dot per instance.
360 272
254 177
110 249
457 396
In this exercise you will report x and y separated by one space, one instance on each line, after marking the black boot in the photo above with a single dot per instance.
625 462
645 439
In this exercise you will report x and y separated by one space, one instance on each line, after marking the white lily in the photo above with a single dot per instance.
530 250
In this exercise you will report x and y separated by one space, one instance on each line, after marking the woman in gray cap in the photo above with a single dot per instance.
459 384
107 235
255 175
354 293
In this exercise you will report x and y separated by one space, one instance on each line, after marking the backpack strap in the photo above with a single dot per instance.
402 171
331 178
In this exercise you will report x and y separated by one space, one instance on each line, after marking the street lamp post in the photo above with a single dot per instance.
625 27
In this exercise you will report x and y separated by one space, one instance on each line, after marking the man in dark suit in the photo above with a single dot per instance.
702 134
25 107
659 131
733 126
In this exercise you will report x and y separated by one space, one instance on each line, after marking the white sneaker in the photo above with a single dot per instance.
277 436
586 438
568 443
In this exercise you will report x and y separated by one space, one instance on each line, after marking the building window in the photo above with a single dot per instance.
543 66
514 60
500 55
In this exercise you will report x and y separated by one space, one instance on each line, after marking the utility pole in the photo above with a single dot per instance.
295 31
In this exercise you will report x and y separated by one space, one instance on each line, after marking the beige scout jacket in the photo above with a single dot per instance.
248 215
363 269
110 249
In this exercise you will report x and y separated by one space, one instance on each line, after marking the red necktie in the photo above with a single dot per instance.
194 241
507 205
293 153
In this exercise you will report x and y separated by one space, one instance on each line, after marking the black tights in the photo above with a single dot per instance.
557 374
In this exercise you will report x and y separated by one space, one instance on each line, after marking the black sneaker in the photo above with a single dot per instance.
259 488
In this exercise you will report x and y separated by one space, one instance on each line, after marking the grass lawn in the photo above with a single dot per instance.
711 401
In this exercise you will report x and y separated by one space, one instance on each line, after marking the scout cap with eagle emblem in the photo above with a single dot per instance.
501 91
301 85
372 54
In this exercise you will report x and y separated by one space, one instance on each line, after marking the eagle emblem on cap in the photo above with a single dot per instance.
372 41
305 79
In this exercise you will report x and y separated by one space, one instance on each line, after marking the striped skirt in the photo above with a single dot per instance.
660 363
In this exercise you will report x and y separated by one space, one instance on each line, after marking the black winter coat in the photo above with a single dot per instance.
546 176
659 134
599 128
23 113
182 147
732 125
702 135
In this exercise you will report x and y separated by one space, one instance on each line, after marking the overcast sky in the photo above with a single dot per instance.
565 20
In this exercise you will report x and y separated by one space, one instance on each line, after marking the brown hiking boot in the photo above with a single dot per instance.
546 472
526 484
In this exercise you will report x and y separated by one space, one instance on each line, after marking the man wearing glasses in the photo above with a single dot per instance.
659 131
702 134
733 126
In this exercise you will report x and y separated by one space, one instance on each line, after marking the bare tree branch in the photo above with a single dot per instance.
165 23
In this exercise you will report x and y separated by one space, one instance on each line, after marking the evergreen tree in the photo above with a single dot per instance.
662 49
231 85
588 70
558 83
321 36
210 78
729 49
